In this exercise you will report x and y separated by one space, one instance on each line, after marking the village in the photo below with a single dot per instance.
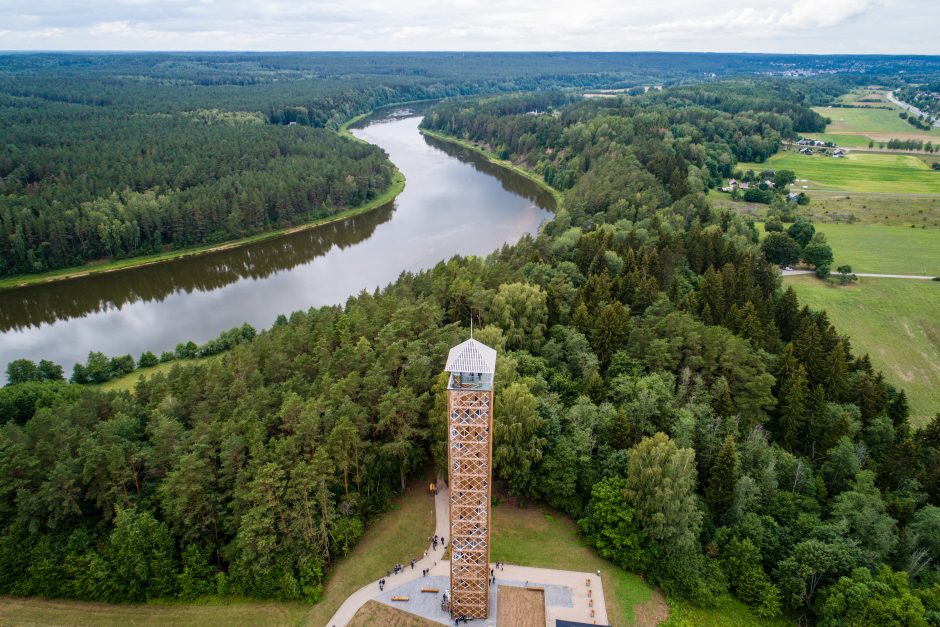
815 146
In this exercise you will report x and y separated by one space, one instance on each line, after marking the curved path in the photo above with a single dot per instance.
874 276
432 559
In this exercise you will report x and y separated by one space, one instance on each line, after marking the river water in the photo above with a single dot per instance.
454 202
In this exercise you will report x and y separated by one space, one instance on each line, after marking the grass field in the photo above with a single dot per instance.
895 321
537 537
882 209
849 141
880 122
884 249
15 611
860 172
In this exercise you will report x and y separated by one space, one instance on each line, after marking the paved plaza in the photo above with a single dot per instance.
567 593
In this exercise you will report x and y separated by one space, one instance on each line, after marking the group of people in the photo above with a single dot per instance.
434 541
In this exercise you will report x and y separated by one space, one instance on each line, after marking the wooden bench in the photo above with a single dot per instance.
535 588
434 590
400 598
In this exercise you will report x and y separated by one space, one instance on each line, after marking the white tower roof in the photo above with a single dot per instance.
471 356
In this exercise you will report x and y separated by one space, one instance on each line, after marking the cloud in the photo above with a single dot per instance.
720 25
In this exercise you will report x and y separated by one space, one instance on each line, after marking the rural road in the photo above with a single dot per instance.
874 276
910 108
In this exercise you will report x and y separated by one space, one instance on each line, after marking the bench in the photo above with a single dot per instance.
400 598
535 588
434 590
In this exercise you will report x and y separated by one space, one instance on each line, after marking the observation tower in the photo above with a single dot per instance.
472 366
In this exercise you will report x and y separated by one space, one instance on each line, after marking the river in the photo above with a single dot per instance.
454 202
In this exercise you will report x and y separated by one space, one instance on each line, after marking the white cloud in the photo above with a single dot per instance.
720 25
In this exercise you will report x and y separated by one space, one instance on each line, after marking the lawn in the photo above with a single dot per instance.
882 122
16 611
395 538
547 539
895 321
859 171
884 249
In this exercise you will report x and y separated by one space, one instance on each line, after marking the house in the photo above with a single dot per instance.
838 152
805 151
793 197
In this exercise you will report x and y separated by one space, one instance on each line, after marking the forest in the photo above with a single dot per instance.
655 383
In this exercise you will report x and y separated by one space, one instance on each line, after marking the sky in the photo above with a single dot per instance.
789 26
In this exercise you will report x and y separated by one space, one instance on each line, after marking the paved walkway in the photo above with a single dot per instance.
874 276
371 590
567 593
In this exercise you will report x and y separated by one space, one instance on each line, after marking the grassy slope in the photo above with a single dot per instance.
16 611
897 322
534 537
395 538
862 172
728 612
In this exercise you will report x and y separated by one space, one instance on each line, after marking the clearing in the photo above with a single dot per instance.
857 172
893 320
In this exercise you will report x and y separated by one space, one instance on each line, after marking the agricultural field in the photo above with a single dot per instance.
885 249
896 322
879 124
857 172
881 209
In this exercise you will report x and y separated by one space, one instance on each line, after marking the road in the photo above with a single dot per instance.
865 274
909 108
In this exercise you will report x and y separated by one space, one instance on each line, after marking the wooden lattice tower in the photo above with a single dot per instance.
470 409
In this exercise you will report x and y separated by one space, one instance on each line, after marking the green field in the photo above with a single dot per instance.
849 141
539 537
870 120
895 321
881 209
859 172
884 249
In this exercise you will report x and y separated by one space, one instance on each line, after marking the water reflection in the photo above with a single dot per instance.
454 202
